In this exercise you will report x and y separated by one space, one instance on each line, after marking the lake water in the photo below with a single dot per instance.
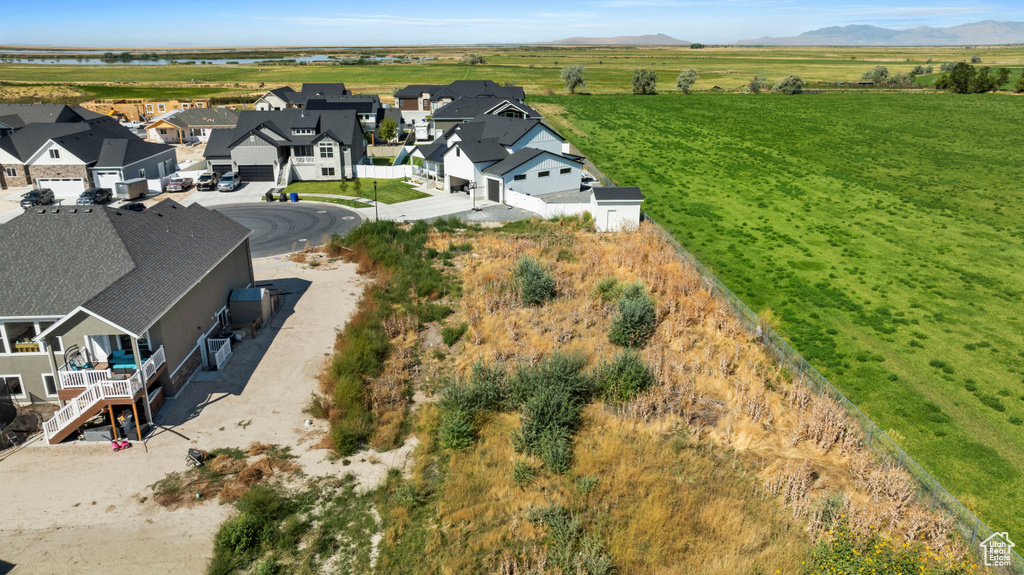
10 56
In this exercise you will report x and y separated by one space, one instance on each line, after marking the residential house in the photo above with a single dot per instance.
492 154
290 144
74 156
113 307
13 117
287 97
189 126
465 109
140 109
418 101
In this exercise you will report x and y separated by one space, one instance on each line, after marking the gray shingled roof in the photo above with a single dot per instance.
612 194
466 108
489 150
205 118
217 145
127 267
507 130
434 152
416 90
343 125
100 141
42 113
518 158
478 88
360 103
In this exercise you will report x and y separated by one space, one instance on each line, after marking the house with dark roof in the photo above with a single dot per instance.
492 154
13 117
191 125
287 97
124 325
286 145
418 101
70 157
465 109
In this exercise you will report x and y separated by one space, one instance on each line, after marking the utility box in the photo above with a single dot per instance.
131 189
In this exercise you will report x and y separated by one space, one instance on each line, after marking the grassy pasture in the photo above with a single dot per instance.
536 68
882 231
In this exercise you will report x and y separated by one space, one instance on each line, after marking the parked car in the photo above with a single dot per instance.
37 198
208 181
228 182
134 207
179 184
94 196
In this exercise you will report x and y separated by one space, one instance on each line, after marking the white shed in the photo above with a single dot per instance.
616 209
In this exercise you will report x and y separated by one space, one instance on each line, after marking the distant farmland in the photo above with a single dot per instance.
882 233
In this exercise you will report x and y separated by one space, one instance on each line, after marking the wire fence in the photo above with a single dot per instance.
930 492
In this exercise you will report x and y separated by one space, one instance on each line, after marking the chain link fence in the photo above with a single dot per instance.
930 492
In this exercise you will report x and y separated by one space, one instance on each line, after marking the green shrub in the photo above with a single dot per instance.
565 255
570 548
623 377
536 284
456 429
451 334
1017 420
992 401
356 423
490 383
585 484
523 473
635 321
561 370
241 534
607 289
555 450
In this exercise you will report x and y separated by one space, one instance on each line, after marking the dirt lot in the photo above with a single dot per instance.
80 508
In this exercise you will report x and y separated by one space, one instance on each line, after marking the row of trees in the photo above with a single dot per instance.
963 78
645 82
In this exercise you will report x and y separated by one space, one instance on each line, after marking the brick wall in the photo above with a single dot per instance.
22 179
188 367
64 171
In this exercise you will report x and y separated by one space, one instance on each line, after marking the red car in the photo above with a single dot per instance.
179 184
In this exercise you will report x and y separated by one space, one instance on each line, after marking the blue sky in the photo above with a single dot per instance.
391 22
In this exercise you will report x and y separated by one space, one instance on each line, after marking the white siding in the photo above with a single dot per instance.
66 158
534 185
614 216
540 137
8 160
457 164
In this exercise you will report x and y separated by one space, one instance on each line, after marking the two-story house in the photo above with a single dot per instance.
111 307
291 144
418 101
192 125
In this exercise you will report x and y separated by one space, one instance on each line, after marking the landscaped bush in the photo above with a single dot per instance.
623 377
635 321
536 284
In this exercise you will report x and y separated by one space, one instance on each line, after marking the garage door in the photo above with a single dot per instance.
256 173
492 190
220 168
63 188
106 179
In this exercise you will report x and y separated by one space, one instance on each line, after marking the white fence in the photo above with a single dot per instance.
383 172
537 205
221 350
388 151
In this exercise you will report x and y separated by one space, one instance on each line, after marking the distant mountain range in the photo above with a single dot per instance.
984 32
648 40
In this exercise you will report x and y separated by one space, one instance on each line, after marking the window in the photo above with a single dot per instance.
160 108
565 171
13 383
458 152
163 131
224 317
303 131
142 173
200 104
197 132
149 108
326 171
19 337
184 106
58 343
303 151
11 172
519 177
543 174
49 384
326 150
55 154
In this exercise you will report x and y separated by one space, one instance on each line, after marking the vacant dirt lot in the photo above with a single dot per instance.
80 508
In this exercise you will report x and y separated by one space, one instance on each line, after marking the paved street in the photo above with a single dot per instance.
280 228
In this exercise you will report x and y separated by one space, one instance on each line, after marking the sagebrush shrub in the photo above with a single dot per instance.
623 377
456 429
635 321
535 283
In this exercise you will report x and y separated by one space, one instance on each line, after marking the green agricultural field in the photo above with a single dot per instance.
536 68
882 231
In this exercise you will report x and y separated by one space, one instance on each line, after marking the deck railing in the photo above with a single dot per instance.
221 349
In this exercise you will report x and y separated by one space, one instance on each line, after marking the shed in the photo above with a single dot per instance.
616 209
249 305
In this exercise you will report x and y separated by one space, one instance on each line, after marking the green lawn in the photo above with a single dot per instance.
883 230
388 191
339 201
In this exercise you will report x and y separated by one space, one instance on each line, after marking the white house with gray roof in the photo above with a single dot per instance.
113 309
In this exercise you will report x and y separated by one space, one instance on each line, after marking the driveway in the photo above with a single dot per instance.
280 228
248 192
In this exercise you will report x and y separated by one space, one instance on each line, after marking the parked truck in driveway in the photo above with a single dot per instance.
131 189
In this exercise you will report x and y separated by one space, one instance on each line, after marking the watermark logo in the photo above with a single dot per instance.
997 550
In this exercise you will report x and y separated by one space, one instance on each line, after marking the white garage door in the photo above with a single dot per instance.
106 179
63 188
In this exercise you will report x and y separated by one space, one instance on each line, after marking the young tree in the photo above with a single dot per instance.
1004 77
686 80
960 78
758 84
645 81
918 70
878 75
789 85
696 46
983 81
975 59
901 79
573 78
1019 88
388 129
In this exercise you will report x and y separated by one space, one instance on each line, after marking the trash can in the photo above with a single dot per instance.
295 196
283 197
270 195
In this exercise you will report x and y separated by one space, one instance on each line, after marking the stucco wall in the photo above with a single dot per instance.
29 367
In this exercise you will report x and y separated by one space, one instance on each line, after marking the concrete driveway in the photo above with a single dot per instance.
280 228
249 192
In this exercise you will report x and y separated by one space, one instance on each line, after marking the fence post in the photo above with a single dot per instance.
900 464
935 494
871 432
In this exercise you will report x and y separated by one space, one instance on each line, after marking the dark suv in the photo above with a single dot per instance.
37 198
94 196
208 181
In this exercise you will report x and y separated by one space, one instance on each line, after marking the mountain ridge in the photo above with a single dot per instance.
645 40
972 33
